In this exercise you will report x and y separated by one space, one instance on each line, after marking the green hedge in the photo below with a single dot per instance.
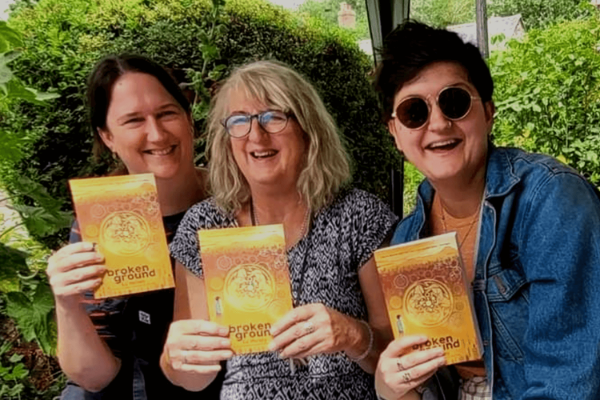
64 38
548 94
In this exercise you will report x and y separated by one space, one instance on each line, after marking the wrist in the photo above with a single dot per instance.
362 345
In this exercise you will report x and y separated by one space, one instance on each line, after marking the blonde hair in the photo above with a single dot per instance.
279 87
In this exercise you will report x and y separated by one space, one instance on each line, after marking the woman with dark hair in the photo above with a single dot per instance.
110 348
528 229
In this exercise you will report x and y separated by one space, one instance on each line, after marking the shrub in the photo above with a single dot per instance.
442 13
541 13
64 38
548 94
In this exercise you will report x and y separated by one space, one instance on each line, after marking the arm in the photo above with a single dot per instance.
83 355
194 347
378 319
560 252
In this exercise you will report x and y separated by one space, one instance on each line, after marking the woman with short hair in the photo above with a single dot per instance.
528 229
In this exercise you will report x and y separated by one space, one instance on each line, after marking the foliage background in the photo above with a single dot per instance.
64 38
548 94
541 13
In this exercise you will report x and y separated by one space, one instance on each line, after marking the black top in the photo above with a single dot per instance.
135 328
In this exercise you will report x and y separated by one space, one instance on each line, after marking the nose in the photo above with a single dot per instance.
437 120
257 133
154 130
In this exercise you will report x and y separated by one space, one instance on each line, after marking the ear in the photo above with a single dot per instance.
107 138
394 131
489 109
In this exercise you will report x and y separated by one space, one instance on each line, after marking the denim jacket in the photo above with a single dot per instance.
537 276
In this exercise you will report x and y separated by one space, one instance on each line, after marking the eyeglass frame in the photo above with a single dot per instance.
288 115
437 101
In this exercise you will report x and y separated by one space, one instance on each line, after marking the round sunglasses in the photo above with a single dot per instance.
455 103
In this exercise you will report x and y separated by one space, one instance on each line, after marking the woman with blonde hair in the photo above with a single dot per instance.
288 167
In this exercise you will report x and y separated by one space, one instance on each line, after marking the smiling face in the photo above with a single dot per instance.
147 128
267 160
443 149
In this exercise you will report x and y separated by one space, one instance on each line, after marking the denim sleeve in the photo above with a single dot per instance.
560 251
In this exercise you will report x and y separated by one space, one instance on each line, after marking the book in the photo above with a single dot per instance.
247 282
426 292
122 216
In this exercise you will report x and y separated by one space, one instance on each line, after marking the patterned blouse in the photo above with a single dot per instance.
324 268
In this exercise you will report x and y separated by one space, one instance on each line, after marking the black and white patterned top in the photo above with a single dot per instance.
324 268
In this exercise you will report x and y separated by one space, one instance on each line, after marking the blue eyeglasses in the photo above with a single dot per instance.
239 125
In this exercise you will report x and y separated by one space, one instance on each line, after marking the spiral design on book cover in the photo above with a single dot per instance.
428 302
125 233
249 287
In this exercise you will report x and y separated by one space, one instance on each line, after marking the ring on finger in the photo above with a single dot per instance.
309 327
406 376
400 366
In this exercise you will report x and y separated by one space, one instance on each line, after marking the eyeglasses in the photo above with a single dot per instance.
239 125
455 103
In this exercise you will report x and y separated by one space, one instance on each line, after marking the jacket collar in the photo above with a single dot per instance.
500 176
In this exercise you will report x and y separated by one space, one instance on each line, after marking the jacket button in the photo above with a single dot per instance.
486 343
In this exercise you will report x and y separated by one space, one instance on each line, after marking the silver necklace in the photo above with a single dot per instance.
301 232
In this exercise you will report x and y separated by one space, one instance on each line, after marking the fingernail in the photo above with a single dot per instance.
442 362
272 346
225 343
223 331
439 351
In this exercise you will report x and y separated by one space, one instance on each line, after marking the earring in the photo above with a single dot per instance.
449 124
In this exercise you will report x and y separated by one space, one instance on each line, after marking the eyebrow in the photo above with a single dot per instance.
122 119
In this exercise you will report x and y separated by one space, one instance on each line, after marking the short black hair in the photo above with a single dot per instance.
413 46
102 79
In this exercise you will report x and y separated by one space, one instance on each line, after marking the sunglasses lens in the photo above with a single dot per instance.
454 102
413 113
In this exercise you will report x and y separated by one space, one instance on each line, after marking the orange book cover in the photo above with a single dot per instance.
426 292
247 282
122 215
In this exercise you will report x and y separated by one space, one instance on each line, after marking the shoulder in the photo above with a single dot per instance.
206 214
536 167
353 201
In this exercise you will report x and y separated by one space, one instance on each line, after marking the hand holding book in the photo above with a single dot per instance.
74 270
316 329
401 369
197 346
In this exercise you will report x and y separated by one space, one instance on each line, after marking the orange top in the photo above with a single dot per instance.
466 231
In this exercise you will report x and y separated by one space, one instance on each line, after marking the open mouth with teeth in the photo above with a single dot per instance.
259 155
161 152
444 145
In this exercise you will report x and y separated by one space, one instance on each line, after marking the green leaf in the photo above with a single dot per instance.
33 317
15 358
13 261
5 74
16 90
7 57
19 372
19 308
8 38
